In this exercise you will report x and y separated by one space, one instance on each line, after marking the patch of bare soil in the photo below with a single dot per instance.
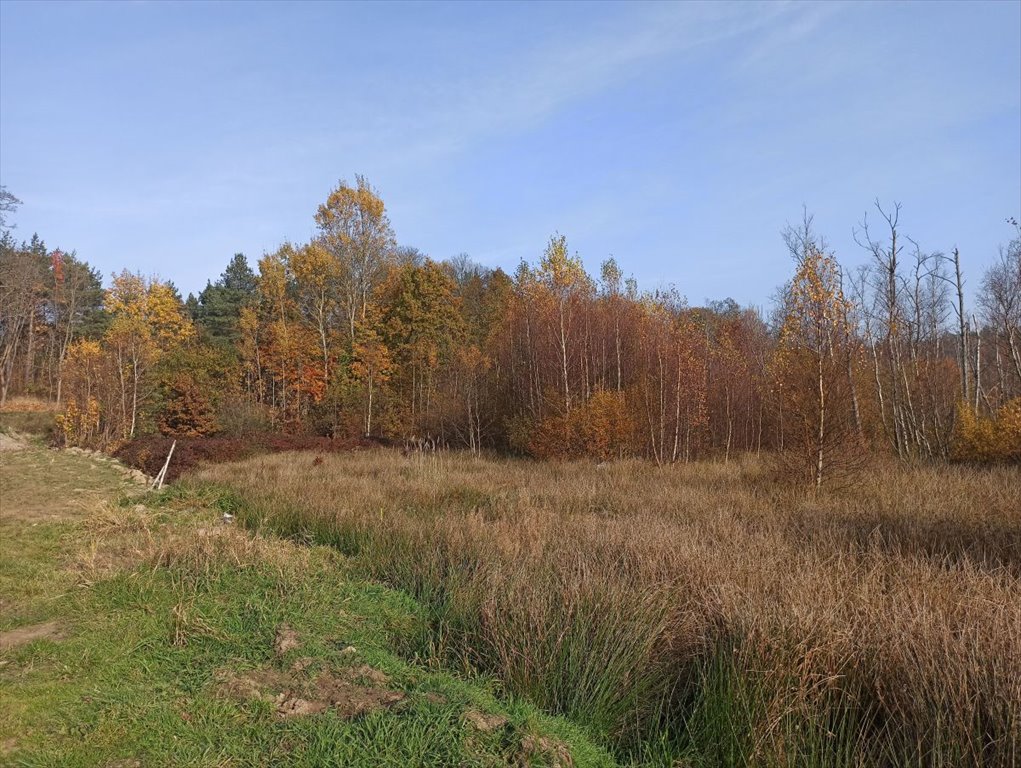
349 692
483 722
349 698
12 638
287 639
554 751
9 443
255 684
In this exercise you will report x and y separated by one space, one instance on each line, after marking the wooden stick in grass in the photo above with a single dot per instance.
157 482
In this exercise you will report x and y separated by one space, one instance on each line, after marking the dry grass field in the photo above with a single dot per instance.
695 613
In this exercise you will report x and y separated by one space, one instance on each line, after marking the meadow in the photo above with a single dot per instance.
140 629
694 614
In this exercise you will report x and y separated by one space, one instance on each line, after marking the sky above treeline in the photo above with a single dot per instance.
678 138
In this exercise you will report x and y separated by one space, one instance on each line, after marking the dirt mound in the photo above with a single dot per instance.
349 692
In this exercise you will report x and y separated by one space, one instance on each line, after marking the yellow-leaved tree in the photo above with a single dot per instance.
110 383
356 231
316 273
86 375
371 366
148 320
812 376
564 288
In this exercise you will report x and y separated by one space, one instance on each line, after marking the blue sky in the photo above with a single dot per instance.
679 138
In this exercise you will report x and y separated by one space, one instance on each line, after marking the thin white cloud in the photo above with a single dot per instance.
560 71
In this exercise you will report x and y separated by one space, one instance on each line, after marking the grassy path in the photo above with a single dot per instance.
143 630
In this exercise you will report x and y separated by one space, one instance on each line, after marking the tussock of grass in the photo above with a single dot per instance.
696 611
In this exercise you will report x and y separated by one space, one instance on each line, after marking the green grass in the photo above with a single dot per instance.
157 606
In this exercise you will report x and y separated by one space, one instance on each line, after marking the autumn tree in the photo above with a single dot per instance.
736 345
611 283
8 205
71 307
88 373
110 383
988 439
371 367
48 298
669 374
22 290
317 275
471 368
421 325
810 369
477 388
565 287
355 229
15 293
1000 299
147 320
196 382
187 410
290 356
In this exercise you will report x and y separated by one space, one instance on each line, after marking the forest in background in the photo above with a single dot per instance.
352 334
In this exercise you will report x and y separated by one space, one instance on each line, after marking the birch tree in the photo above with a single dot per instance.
821 443
355 228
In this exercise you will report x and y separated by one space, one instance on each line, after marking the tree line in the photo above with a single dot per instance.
352 334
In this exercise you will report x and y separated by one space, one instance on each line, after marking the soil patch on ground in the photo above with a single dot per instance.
286 640
483 722
10 443
47 630
350 692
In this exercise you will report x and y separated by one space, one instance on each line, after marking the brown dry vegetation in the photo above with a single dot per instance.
698 609
148 453
28 404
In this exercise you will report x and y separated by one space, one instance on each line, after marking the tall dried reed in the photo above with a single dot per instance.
696 610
